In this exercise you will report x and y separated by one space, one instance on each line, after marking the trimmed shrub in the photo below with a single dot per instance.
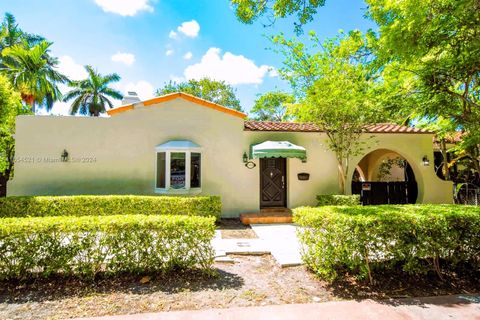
338 200
85 246
360 240
43 206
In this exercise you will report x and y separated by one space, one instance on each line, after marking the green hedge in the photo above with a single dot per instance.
360 240
338 200
40 206
85 246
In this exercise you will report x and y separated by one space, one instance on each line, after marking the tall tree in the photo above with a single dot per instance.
92 95
33 73
272 106
247 11
11 34
336 88
215 91
10 107
438 43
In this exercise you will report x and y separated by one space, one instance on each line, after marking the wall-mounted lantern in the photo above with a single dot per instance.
64 156
425 161
248 164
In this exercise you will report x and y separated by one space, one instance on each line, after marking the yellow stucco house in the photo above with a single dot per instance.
181 144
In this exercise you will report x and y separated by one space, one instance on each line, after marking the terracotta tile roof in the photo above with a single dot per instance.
251 125
280 126
393 128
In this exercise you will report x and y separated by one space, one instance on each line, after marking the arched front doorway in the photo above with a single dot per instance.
384 177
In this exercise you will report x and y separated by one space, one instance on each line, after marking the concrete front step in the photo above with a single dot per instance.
267 216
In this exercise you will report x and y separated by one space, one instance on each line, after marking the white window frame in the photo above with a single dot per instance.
188 157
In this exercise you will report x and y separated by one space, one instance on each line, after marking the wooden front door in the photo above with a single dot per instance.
273 182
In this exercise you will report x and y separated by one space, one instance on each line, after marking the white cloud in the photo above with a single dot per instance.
173 35
169 52
231 68
188 55
59 108
126 58
125 7
272 72
176 79
189 28
71 69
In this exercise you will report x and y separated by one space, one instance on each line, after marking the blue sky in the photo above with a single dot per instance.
150 42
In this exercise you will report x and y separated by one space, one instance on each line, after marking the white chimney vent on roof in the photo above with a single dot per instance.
130 97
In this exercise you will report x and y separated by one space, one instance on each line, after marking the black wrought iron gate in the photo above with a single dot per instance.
374 192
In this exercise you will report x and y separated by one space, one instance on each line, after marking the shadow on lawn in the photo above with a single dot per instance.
43 289
234 229
397 288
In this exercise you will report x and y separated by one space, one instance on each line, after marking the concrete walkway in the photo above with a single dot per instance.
435 308
282 241
279 240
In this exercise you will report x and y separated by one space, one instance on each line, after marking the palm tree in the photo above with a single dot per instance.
11 34
92 94
32 73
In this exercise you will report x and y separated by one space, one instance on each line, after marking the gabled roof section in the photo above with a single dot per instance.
310 127
176 95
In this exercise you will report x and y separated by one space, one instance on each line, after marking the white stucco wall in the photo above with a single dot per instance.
412 147
123 150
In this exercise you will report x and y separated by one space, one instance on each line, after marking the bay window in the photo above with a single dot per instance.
178 167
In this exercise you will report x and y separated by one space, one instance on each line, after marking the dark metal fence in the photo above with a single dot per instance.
374 192
466 193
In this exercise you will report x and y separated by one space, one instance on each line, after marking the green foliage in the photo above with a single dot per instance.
91 96
272 106
85 246
43 206
211 90
338 200
247 11
336 86
385 168
360 240
10 107
436 45
11 34
33 73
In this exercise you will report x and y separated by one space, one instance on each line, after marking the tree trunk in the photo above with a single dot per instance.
341 177
6 175
446 170
3 185
476 164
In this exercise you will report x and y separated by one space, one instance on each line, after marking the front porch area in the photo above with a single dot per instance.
267 216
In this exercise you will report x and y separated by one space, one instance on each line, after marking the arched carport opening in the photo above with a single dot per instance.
384 177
